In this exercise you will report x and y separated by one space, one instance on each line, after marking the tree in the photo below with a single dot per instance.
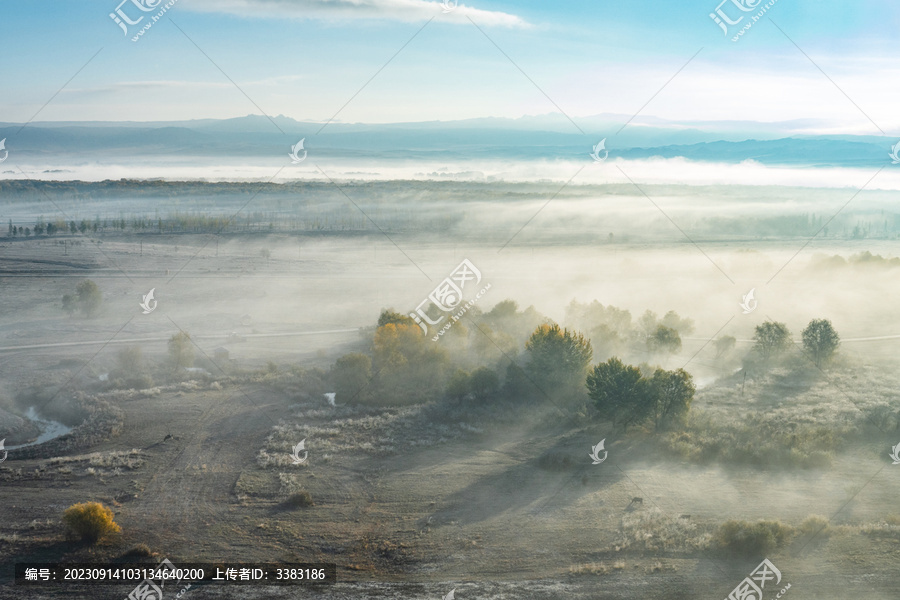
130 370
459 385
664 339
409 367
771 339
88 298
672 393
484 383
27 232
558 360
350 376
619 392
820 340
10 227
682 326
389 316
130 360
73 228
181 350
724 345
15 231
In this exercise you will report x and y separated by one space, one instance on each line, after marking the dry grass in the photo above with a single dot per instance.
652 530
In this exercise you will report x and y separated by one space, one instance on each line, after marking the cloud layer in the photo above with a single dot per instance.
395 10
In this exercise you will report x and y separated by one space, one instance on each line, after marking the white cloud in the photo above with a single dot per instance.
395 10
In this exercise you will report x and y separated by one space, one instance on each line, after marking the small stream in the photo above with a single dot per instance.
49 429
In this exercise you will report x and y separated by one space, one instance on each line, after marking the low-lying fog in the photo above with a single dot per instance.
580 170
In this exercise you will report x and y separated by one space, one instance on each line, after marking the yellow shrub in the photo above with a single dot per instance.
90 521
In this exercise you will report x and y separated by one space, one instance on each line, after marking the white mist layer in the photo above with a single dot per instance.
586 171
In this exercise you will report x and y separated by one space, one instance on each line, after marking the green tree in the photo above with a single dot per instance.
88 298
558 360
724 345
130 360
681 325
620 393
130 368
350 377
820 340
664 339
410 368
181 350
27 232
484 383
771 339
459 385
672 393
73 228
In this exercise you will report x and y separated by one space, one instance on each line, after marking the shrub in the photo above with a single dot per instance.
743 538
814 524
300 499
139 551
90 521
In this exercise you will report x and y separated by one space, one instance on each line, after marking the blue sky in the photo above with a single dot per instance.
307 58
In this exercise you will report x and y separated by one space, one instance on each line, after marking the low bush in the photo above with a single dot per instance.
89 521
300 499
742 538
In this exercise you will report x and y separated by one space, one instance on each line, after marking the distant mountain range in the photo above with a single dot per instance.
546 137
